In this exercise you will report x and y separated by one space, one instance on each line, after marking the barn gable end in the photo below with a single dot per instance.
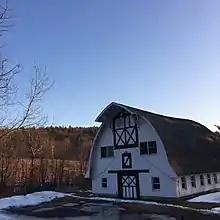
143 167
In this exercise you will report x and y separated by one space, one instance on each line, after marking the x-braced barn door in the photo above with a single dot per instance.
128 186
125 131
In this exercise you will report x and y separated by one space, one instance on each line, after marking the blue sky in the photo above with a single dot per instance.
163 56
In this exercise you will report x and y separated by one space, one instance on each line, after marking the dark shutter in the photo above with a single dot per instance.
103 152
110 152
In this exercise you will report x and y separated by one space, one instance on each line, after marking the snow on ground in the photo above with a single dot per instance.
29 199
46 196
24 200
216 210
209 198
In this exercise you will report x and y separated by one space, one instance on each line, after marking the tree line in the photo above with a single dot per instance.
45 155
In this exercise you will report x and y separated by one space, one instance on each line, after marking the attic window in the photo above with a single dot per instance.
209 179
143 148
126 160
107 151
183 182
149 147
152 145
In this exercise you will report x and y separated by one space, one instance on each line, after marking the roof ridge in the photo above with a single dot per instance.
165 116
156 114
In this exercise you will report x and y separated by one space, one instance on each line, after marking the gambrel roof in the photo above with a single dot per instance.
191 147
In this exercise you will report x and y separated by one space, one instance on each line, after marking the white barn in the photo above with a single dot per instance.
137 154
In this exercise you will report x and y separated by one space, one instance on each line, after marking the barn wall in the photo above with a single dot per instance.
100 165
157 164
193 190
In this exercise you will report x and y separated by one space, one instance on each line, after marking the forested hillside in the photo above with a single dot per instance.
68 143
36 156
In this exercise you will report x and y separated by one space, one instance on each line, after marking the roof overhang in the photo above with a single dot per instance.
110 111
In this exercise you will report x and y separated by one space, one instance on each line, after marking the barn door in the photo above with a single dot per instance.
128 186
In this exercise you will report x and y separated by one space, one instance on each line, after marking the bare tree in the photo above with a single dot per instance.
28 111
18 109
35 147
8 161
83 154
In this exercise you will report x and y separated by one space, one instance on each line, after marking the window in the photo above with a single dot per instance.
104 182
183 182
155 183
148 147
215 178
209 179
152 145
143 148
126 160
107 151
193 181
202 182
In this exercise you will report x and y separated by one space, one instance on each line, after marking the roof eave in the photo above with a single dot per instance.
104 111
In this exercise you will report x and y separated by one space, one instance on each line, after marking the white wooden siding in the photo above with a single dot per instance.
193 190
158 164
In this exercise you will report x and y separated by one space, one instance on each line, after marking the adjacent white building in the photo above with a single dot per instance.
139 154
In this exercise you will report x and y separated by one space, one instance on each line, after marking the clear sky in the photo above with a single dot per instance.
163 56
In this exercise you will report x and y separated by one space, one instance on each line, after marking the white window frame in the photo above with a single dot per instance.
202 180
183 182
193 181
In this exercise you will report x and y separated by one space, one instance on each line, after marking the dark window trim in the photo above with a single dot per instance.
129 160
152 147
104 182
105 153
148 148
155 183
144 148
130 139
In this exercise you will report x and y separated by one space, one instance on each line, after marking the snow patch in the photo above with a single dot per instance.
209 198
29 199
216 210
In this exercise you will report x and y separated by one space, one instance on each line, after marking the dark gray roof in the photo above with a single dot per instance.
191 147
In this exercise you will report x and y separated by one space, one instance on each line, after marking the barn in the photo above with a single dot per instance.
138 154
